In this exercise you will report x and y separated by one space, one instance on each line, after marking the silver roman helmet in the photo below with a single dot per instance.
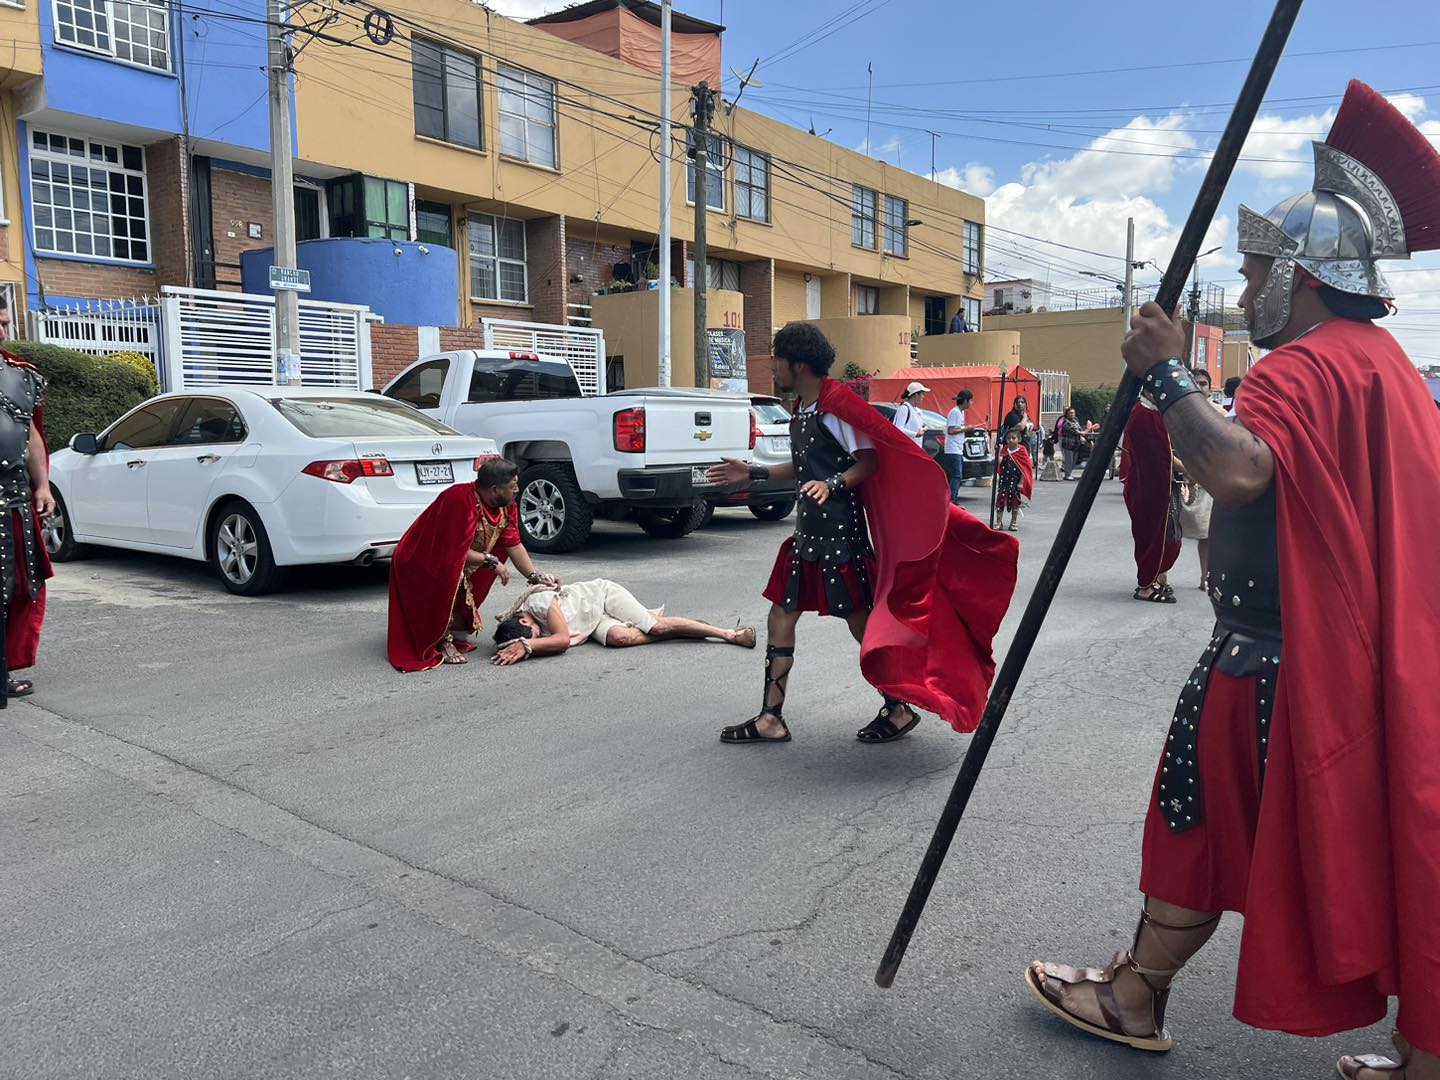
1351 217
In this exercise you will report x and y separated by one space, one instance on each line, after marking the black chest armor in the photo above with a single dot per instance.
21 392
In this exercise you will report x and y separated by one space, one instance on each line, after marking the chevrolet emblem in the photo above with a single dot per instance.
703 436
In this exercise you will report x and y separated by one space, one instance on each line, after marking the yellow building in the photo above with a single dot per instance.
537 159
1084 343
21 57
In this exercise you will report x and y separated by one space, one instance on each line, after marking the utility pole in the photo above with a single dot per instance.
1129 270
933 137
665 179
282 190
1194 314
704 106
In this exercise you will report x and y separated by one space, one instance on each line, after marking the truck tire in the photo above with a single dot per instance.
773 511
672 524
709 515
554 516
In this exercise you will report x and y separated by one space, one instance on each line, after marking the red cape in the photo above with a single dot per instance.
1147 473
425 576
1346 870
1022 458
26 617
943 578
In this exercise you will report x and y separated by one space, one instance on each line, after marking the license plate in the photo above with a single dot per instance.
780 443
700 476
434 472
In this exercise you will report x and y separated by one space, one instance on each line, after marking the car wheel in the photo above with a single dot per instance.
240 551
672 524
554 515
709 515
773 511
59 540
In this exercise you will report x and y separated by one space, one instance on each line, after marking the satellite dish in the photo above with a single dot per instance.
746 78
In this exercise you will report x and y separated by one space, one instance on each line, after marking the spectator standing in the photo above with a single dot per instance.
1018 417
908 417
958 325
1232 384
954 456
1070 436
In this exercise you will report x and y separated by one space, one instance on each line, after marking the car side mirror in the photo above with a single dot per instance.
85 444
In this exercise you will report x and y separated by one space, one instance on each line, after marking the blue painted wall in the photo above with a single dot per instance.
418 287
224 84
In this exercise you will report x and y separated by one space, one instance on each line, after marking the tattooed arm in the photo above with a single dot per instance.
1220 455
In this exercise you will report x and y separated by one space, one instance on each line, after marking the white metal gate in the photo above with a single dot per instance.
581 347
224 338
100 327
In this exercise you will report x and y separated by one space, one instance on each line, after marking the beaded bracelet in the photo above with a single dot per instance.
1169 381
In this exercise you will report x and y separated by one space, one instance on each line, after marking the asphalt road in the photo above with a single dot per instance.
238 845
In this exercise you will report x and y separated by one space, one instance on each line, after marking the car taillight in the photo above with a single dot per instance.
524 356
630 431
347 472
754 432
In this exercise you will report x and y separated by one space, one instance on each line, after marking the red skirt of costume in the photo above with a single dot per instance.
857 574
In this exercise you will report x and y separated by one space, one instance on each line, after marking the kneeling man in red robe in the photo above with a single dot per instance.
1298 783
446 563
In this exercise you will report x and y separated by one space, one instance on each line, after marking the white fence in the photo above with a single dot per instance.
100 327
208 337
581 347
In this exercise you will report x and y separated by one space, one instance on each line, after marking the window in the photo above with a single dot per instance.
208 421
88 197
497 259
897 238
527 116
134 31
719 274
714 171
145 428
422 386
356 418
999 299
973 240
935 321
447 93
862 217
867 300
432 224
370 206
522 380
972 315
752 184
309 222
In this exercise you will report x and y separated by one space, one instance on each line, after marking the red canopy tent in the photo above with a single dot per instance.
981 380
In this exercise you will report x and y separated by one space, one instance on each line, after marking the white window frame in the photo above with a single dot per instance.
747 159
863 199
10 293
53 157
869 293
972 313
535 88
497 258
105 10
716 271
891 247
974 241
450 59
715 168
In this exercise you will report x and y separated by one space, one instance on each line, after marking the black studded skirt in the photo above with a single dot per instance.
800 584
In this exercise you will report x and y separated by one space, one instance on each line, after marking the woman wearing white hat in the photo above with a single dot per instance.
908 417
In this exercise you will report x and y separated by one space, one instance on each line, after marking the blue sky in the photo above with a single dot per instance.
1068 122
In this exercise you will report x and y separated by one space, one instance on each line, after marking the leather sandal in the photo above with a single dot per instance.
1047 983
1350 1067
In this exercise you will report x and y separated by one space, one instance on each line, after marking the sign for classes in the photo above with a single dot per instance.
286 277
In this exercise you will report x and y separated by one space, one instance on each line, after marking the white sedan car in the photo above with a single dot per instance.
257 478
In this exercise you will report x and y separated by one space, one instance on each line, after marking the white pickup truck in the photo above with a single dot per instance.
627 453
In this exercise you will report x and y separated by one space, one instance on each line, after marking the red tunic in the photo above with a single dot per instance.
1337 865
425 577
943 579
26 617
1147 474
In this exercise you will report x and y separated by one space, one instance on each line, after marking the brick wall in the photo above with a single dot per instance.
545 250
236 200
501 311
757 281
760 371
594 263
168 185
61 277
392 349
461 337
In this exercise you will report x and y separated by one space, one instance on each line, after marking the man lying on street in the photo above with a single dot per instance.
446 563
1299 784
27 502
548 619
924 601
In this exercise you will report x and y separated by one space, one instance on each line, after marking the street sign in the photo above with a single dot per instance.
285 277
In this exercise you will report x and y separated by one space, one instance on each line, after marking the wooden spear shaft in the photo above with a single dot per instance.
1272 45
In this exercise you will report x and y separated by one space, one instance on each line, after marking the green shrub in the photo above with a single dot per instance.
1090 404
141 362
86 393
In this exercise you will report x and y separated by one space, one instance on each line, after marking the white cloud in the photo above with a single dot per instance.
525 9
975 178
